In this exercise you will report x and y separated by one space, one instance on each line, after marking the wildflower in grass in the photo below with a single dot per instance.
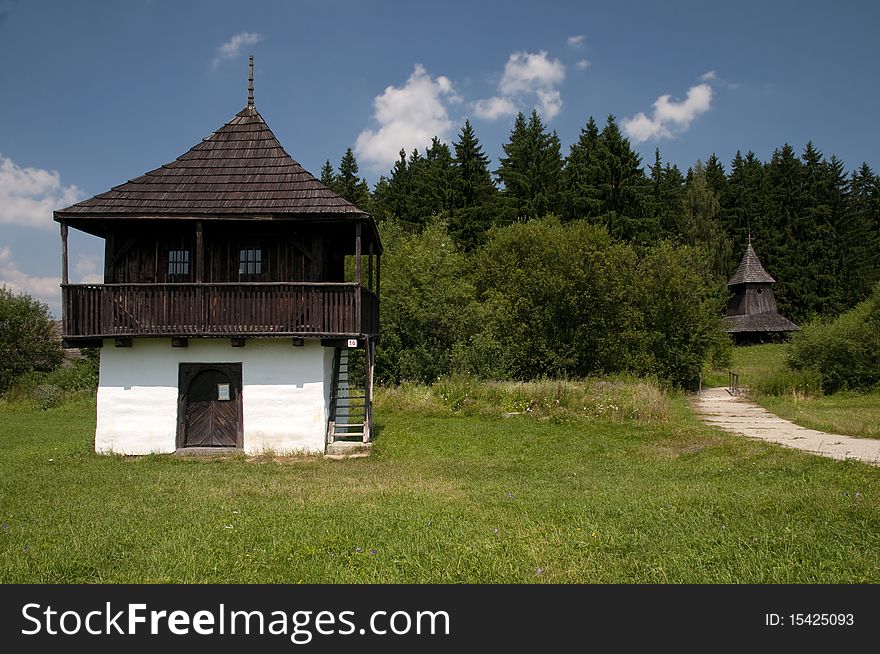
539 571
511 496
358 549
374 552
228 527
5 526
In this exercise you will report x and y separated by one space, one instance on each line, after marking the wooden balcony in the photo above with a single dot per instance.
295 309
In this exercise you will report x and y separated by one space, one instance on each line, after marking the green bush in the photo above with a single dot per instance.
428 305
26 342
565 300
844 352
45 390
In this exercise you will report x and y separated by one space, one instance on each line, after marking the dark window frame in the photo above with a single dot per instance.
178 263
250 262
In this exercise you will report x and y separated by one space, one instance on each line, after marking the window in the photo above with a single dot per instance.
178 262
250 262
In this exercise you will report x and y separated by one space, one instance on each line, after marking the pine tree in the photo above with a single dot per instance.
474 191
783 250
860 237
623 190
715 175
580 194
327 176
531 172
744 206
667 197
348 184
700 225
439 197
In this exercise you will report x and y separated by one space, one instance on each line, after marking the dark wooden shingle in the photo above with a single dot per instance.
240 169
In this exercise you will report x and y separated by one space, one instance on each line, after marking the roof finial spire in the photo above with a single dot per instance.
251 81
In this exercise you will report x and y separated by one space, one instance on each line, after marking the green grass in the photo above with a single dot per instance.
752 363
445 498
847 413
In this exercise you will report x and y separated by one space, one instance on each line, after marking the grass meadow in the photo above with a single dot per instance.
598 482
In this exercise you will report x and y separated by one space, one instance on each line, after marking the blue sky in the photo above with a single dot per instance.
96 93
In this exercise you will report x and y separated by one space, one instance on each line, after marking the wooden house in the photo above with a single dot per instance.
752 313
226 316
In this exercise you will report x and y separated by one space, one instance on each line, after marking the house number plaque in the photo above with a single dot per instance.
222 391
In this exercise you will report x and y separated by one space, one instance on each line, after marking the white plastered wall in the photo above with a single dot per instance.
285 393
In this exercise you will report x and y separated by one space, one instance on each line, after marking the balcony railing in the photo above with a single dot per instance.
301 309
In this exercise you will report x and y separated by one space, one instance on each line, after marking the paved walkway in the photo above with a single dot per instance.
716 406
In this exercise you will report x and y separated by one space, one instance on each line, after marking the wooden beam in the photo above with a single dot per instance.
64 277
64 274
357 252
370 267
378 273
200 253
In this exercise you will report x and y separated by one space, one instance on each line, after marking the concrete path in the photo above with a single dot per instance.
717 407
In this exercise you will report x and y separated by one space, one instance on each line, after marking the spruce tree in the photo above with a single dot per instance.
581 195
327 176
532 169
667 197
474 191
860 237
783 250
623 190
700 225
348 184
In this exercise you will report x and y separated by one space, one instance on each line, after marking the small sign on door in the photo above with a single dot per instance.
222 391
352 342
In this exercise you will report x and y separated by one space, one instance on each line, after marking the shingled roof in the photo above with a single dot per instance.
750 269
239 169
759 322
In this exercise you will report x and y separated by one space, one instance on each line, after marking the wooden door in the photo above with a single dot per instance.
209 407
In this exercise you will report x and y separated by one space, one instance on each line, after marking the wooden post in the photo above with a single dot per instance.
370 267
64 278
200 253
64 275
357 252
378 272
357 278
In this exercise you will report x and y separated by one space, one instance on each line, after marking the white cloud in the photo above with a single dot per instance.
549 103
525 74
669 117
86 269
44 289
494 108
408 116
709 76
583 64
233 46
576 41
29 195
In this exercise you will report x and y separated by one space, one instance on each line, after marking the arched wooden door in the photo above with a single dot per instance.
209 405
